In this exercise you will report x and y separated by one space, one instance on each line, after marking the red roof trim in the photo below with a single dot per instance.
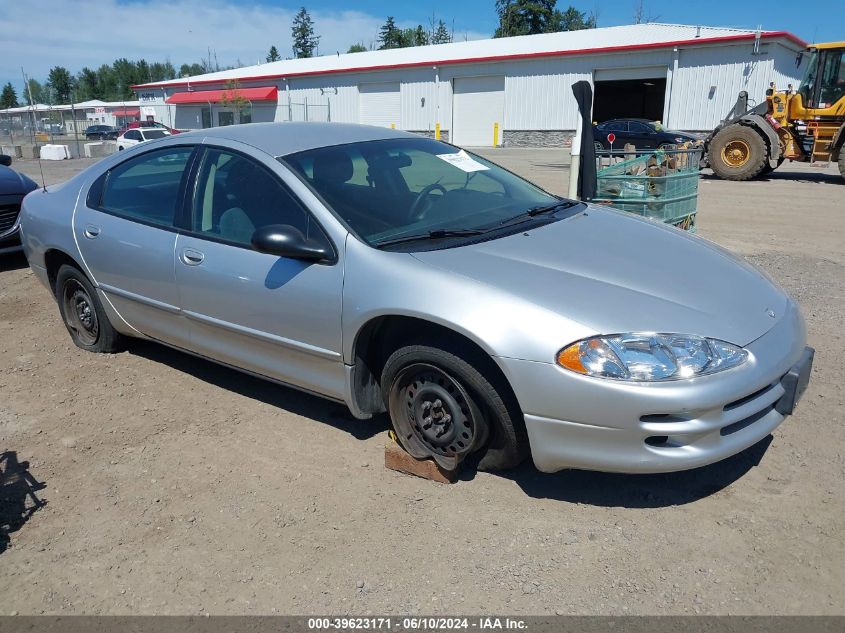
494 58
263 93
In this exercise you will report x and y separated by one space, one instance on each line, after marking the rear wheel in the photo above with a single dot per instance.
443 408
83 314
738 152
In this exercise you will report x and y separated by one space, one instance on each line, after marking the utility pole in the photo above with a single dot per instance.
28 88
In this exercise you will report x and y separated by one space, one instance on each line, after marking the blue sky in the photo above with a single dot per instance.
94 32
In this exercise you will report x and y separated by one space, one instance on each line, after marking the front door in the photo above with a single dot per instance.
125 232
271 315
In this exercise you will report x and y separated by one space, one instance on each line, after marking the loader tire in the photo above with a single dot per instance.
738 152
842 161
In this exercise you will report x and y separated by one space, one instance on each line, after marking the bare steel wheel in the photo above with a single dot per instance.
434 416
80 312
83 314
442 406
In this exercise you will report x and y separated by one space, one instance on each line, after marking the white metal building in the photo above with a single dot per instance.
512 91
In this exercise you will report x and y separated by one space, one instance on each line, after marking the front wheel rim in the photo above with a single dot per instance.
736 153
80 313
434 416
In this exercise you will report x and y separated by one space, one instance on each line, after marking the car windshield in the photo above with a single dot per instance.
389 189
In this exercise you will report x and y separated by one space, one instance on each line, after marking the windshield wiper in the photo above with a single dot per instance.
436 234
535 211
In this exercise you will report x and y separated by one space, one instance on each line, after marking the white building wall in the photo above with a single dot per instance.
709 80
538 92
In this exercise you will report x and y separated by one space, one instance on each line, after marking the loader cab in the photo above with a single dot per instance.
824 80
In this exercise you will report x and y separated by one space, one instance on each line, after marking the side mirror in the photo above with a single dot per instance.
5 159
284 240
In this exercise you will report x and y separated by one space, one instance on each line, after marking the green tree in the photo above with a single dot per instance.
417 36
189 70
273 55
34 92
305 40
61 84
529 17
441 34
9 98
357 48
390 35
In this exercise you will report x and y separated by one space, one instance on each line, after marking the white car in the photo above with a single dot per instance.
139 135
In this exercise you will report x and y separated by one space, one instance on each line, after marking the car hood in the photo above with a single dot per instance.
12 183
616 273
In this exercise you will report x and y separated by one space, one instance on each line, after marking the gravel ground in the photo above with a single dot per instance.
173 486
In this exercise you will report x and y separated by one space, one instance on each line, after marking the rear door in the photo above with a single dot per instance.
642 135
126 235
274 316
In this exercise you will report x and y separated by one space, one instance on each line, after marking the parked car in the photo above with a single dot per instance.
397 273
13 187
136 136
134 125
641 133
100 132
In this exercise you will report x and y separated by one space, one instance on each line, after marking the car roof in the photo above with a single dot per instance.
627 119
284 138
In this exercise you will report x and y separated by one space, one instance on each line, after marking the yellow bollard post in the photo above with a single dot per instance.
496 134
437 131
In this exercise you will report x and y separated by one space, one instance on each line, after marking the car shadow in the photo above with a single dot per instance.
636 491
18 501
276 395
12 261
790 176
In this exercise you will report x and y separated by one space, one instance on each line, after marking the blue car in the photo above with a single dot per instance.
13 187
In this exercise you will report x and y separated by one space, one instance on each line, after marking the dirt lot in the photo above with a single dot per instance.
175 486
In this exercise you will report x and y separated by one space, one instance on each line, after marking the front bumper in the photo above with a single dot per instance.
575 421
10 242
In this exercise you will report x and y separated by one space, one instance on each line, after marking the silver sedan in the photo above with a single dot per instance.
397 273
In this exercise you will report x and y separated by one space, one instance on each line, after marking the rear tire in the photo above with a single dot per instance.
465 413
738 152
83 314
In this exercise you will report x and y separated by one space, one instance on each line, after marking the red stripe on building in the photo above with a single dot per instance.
491 58
264 93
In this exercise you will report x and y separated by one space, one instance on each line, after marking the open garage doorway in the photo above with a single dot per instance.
641 97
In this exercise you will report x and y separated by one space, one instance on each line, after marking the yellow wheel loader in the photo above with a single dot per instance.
806 125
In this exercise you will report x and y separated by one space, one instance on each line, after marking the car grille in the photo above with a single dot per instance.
8 215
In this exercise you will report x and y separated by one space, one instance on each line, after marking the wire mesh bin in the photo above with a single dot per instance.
660 184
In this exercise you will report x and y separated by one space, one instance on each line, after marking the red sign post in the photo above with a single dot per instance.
610 138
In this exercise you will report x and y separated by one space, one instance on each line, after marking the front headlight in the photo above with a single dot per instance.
650 357
681 139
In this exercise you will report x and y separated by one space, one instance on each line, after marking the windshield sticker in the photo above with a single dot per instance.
463 161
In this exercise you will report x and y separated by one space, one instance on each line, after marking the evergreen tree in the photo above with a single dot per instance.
441 34
390 35
273 55
305 41
357 48
529 17
8 98
34 92
418 36
60 82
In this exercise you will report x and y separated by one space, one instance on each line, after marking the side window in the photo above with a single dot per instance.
638 128
235 196
146 188
618 126
133 135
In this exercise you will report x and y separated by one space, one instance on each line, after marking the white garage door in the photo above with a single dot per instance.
379 104
478 103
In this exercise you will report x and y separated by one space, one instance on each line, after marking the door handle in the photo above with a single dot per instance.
91 231
191 257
